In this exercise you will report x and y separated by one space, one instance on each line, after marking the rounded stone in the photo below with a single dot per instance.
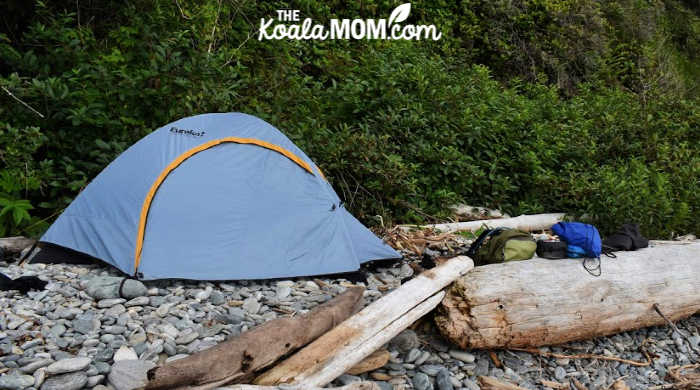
462 356
16 381
68 365
71 381
422 382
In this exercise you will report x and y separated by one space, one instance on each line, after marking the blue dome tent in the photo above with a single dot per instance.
216 197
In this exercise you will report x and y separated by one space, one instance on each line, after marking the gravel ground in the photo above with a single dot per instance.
69 335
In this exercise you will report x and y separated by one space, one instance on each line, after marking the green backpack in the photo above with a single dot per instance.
500 245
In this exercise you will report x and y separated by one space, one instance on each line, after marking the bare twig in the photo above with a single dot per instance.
23 103
668 321
671 324
674 327
77 11
213 30
181 11
619 383
583 356
578 385
690 381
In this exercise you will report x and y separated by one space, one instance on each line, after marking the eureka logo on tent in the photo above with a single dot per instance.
193 133
390 29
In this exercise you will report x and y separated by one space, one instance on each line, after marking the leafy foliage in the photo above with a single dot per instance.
529 106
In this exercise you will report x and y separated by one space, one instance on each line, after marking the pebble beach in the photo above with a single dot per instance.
79 333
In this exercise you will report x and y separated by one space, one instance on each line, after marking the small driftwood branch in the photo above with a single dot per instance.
7 91
347 344
15 244
238 359
578 385
522 222
554 385
675 328
491 383
685 377
535 351
351 386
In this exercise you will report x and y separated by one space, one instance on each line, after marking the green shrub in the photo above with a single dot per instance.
528 106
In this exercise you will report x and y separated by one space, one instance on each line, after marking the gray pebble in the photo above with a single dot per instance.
129 374
68 365
31 367
138 301
482 366
560 373
431 369
16 381
406 340
384 385
102 367
217 298
471 385
347 379
91 371
444 380
115 310
39 377
283 292
94 380
71 381
422 382
114 329
107 303
412 355
694 341
31 344
251 305
422 358
463 356
104 354
57 331
186 338
86 324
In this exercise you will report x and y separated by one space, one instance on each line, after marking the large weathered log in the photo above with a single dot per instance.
13 245
523 222
238 359
543 302
347 344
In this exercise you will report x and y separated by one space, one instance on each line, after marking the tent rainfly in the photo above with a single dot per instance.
219 196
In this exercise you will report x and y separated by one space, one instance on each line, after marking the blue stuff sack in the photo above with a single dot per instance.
575 252
581 235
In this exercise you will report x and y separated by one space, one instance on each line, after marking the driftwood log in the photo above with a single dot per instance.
543 302
523 222
350 342
14 245
238 359
355 353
